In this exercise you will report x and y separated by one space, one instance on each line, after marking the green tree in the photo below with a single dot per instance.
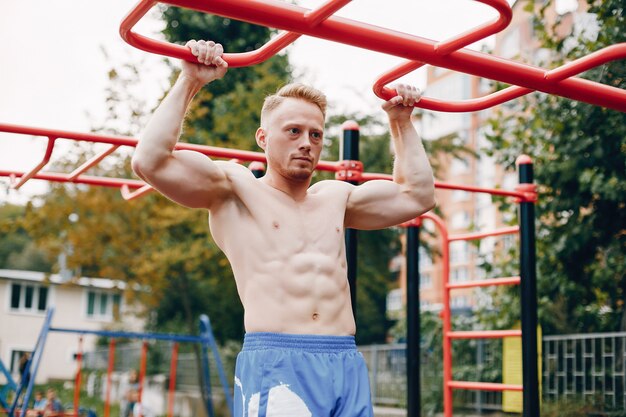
227 112
579 152
17 249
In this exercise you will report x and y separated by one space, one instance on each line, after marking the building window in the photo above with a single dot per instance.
426 281
509 242
30 298
511 44
394 303
103 305
459 252
460 195
459 275
460 220
425 260
459 166
459 302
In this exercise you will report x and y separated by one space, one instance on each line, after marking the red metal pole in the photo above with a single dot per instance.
142 370
447 316
172 387
107 398
79 365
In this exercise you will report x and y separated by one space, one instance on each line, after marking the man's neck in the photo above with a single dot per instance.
296 189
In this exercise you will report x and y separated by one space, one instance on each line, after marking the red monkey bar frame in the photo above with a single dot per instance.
132 188
296 21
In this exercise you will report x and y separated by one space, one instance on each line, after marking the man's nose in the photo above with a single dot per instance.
305 142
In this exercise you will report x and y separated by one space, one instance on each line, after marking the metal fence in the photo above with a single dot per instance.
582 367
127 357
478 361
591 367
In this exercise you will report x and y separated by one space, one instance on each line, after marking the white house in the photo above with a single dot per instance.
85 303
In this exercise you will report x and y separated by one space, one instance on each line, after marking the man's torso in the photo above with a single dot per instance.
288 256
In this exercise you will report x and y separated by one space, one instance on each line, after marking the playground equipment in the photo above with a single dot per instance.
296 21
9 386
206 340
350 169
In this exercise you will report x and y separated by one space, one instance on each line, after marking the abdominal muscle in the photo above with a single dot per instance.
307 294
288 258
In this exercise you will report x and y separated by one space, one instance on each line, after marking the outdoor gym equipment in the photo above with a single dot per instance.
296 21
206 339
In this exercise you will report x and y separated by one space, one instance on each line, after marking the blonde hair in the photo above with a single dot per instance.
294 90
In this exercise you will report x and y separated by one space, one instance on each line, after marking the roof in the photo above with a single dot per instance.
35 276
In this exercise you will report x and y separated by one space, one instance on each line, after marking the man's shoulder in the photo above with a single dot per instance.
234 168
331 186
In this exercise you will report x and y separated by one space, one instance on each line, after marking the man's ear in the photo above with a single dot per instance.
261 138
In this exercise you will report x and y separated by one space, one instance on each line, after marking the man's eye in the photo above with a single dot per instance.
316 135
294 130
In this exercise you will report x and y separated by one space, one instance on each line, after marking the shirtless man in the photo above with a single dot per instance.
284 239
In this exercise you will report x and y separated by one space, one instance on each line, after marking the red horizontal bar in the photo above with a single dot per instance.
83 179
285 16
484 283
480 235
367 176
484 386
132 142
485 334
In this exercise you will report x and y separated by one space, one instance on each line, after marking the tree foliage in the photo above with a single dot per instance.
227 112
579 152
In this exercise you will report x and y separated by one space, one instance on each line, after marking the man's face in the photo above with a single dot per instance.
293 138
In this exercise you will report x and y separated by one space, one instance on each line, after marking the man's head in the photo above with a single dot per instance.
293 90
38 395
292 129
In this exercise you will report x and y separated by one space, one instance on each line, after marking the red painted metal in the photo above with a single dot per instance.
485 334
142 371
46 158
172 386
480 235
83 179
445 313
367 176
484 386
78 378
130 188
447 54
107 398
131 195
448 333
484 283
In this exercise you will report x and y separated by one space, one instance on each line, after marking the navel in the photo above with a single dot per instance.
276 225
315 316
338 230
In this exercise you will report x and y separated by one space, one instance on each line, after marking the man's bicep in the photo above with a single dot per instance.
379 204
191 179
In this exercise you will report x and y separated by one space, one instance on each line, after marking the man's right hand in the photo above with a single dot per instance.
211 66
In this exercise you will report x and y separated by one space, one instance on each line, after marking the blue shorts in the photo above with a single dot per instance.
295 375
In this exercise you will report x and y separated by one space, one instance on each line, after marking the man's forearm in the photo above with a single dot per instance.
411 169
163 130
